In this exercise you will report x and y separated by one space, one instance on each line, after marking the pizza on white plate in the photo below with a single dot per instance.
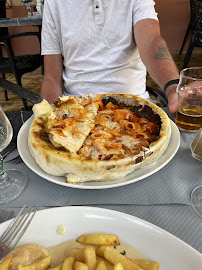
97 137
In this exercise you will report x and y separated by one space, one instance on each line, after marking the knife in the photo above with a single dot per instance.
8 149
20 91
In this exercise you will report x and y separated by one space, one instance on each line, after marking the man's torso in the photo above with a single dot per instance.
98 46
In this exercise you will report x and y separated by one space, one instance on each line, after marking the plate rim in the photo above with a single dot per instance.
116 215
85 185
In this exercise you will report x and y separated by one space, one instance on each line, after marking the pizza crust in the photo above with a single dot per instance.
41 108
59 162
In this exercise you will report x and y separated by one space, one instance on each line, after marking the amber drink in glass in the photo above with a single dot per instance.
189 90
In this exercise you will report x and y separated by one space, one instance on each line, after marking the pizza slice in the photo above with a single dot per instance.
70 122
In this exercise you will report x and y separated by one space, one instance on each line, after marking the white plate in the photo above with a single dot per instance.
154 243
137 175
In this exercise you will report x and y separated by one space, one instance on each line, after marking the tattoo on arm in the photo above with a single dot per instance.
162 53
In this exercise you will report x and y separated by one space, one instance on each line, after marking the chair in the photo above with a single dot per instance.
18 65
195 25
159 95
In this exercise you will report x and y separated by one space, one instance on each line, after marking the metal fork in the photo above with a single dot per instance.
15 230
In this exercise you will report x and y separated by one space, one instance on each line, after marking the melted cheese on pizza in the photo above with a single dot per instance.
70 123
118 133
85 126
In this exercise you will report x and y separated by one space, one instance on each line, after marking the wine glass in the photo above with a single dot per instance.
28 4
12 182
196 200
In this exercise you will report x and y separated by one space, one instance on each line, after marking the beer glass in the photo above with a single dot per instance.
189 90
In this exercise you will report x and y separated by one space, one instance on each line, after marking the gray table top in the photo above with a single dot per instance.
161 198
22 21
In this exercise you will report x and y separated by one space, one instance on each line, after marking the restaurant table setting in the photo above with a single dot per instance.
162 197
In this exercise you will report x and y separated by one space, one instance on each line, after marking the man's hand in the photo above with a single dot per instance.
190 95
172 98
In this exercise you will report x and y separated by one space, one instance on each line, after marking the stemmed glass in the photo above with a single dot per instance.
28 4
196 200
12 182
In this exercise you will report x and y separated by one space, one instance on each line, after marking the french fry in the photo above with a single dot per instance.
147 265
100 251
68 263
101 266
103 255
58 267
4 265
90 257
99 239
78 254
107 263
41 264
80 266
115 257
118 266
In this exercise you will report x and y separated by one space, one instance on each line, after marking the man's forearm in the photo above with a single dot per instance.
156 57
160 64
50 90
162 69
52 83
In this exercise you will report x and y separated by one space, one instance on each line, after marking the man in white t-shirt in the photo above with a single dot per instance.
104 46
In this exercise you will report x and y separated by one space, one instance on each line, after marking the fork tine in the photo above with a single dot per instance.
19 225
15 230
17 237
12 224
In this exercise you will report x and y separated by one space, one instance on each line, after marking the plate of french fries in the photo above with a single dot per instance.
90 238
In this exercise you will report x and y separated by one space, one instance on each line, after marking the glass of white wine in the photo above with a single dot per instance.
12 182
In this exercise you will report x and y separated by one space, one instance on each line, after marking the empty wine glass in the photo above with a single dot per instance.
28 4
196 200
12 182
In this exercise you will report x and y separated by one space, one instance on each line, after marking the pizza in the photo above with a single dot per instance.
97 137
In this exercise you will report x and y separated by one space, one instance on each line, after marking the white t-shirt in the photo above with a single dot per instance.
95 38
